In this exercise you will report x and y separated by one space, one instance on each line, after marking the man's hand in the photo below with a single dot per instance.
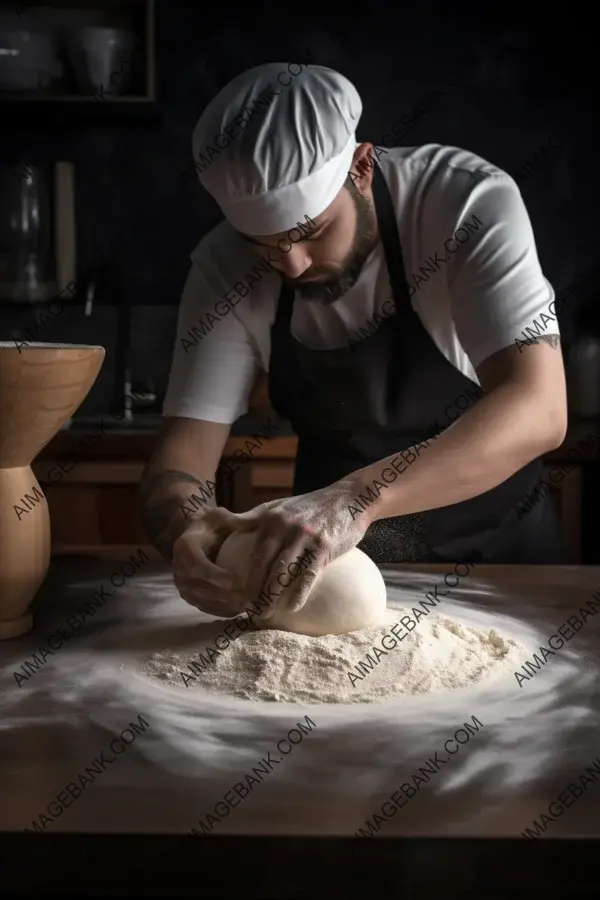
199 581
315 526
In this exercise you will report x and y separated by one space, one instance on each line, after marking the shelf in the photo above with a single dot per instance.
62 91
73 110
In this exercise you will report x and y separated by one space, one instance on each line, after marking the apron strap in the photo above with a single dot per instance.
390 239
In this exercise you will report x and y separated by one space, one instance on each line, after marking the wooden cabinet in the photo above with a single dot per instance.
94 508
94 505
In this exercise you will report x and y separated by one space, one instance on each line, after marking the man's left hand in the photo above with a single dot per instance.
297 537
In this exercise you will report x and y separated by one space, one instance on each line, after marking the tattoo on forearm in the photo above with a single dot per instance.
158 512
156 518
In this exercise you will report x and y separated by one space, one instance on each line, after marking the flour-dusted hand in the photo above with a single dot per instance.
199 581
297 537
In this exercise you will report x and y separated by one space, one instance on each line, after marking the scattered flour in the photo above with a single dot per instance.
439 655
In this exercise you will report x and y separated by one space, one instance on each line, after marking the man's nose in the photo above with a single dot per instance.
295 262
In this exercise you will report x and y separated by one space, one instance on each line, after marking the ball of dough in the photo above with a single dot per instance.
348 595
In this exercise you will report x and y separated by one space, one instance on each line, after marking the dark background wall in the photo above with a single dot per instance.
519 93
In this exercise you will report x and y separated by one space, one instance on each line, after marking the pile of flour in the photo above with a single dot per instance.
439 655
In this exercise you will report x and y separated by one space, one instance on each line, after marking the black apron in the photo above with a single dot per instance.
355 405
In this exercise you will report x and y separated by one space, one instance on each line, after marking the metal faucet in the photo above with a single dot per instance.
127 398
124 399
122 405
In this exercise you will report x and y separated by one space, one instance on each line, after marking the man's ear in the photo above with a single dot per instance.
363 163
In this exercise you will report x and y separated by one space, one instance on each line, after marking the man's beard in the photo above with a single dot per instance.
339 279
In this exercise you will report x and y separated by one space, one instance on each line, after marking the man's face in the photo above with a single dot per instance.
326 262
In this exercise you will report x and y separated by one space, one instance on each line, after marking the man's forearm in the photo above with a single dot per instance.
488 444
163 496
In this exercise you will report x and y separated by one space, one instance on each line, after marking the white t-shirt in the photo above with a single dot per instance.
471 265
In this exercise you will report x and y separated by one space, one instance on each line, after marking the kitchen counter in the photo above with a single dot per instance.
536 737
104 438
88 442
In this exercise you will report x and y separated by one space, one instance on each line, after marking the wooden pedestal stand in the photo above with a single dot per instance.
41 386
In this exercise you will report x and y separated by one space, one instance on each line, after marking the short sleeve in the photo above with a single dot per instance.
215 363
496 285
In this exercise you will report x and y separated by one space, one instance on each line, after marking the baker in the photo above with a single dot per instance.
390 295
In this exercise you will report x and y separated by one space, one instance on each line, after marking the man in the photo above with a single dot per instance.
388 294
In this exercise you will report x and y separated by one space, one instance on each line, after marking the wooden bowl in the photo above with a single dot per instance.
41 386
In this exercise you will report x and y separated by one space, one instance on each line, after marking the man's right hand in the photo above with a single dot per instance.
199 581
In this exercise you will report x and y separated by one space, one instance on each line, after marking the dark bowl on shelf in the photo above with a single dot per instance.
29 60
101 59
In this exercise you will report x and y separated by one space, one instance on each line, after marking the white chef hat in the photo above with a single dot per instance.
276 144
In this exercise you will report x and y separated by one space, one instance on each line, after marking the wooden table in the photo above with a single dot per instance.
529 751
